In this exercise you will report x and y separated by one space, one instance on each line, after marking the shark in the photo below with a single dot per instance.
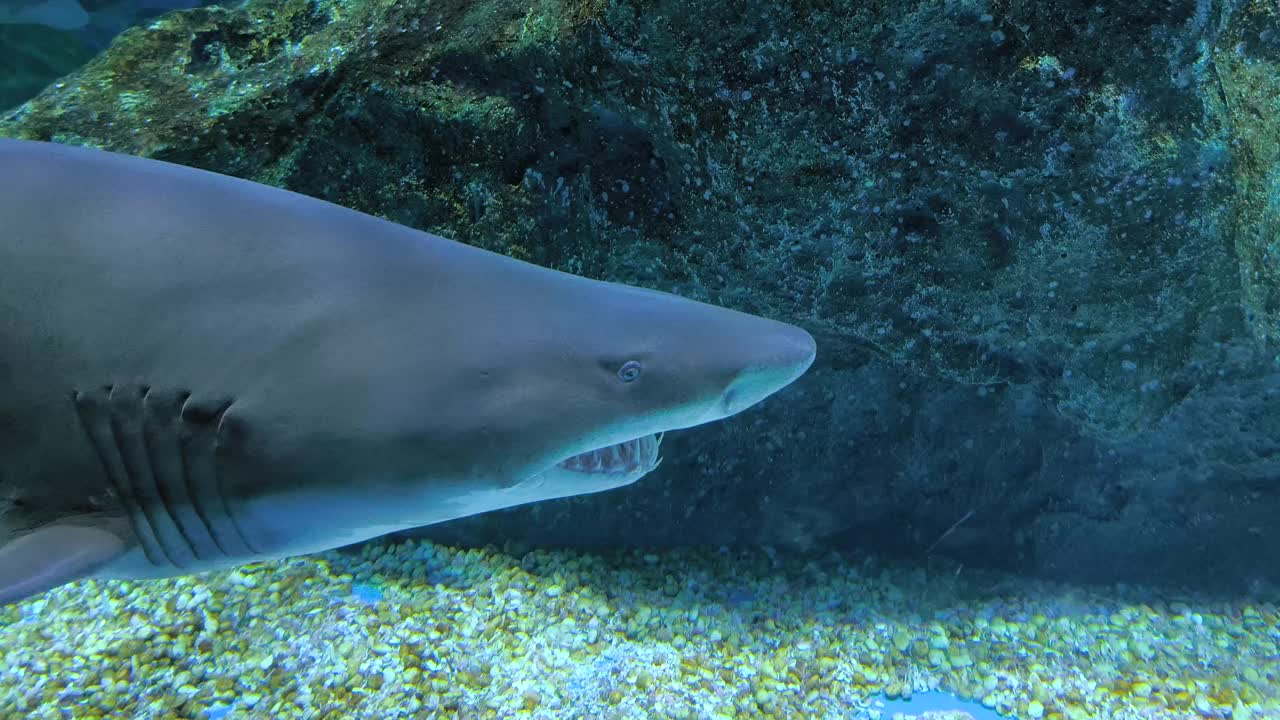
199 371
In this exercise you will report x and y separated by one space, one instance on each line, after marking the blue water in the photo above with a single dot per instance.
366 593
934 701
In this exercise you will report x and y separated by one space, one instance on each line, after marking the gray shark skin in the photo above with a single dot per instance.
198 372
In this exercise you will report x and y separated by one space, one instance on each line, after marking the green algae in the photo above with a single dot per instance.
1248 74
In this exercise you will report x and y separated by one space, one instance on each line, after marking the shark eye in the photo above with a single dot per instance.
629 371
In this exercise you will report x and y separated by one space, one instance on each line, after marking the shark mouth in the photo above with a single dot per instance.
639 455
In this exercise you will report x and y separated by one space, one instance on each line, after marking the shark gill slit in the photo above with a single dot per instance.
214 480
96 421
195 438
128 420
163 437
163 467
203 498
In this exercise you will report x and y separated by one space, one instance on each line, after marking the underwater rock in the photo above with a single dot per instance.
42 40
1036 242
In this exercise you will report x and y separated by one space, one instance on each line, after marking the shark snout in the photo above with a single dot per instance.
777 359
795 348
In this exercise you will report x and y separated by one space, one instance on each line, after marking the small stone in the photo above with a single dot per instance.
1035 709
901 640
1075 712
238 578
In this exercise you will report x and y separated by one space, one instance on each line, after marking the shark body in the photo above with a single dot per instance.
198 371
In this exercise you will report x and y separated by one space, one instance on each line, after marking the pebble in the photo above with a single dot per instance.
550 635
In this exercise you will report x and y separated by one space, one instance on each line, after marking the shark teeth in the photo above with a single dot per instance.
638 455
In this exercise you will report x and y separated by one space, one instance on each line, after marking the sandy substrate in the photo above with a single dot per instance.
421 631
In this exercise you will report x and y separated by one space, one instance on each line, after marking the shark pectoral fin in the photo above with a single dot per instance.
53 555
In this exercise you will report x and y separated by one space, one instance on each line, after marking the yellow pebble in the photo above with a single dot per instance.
901 640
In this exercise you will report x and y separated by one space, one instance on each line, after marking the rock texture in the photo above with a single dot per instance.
1039 242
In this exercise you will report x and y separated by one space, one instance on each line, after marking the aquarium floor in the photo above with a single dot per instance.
417 630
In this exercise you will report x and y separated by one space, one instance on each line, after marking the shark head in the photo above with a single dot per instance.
605 370
644 363
495 383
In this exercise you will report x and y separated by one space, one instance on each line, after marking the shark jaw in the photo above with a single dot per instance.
638 456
